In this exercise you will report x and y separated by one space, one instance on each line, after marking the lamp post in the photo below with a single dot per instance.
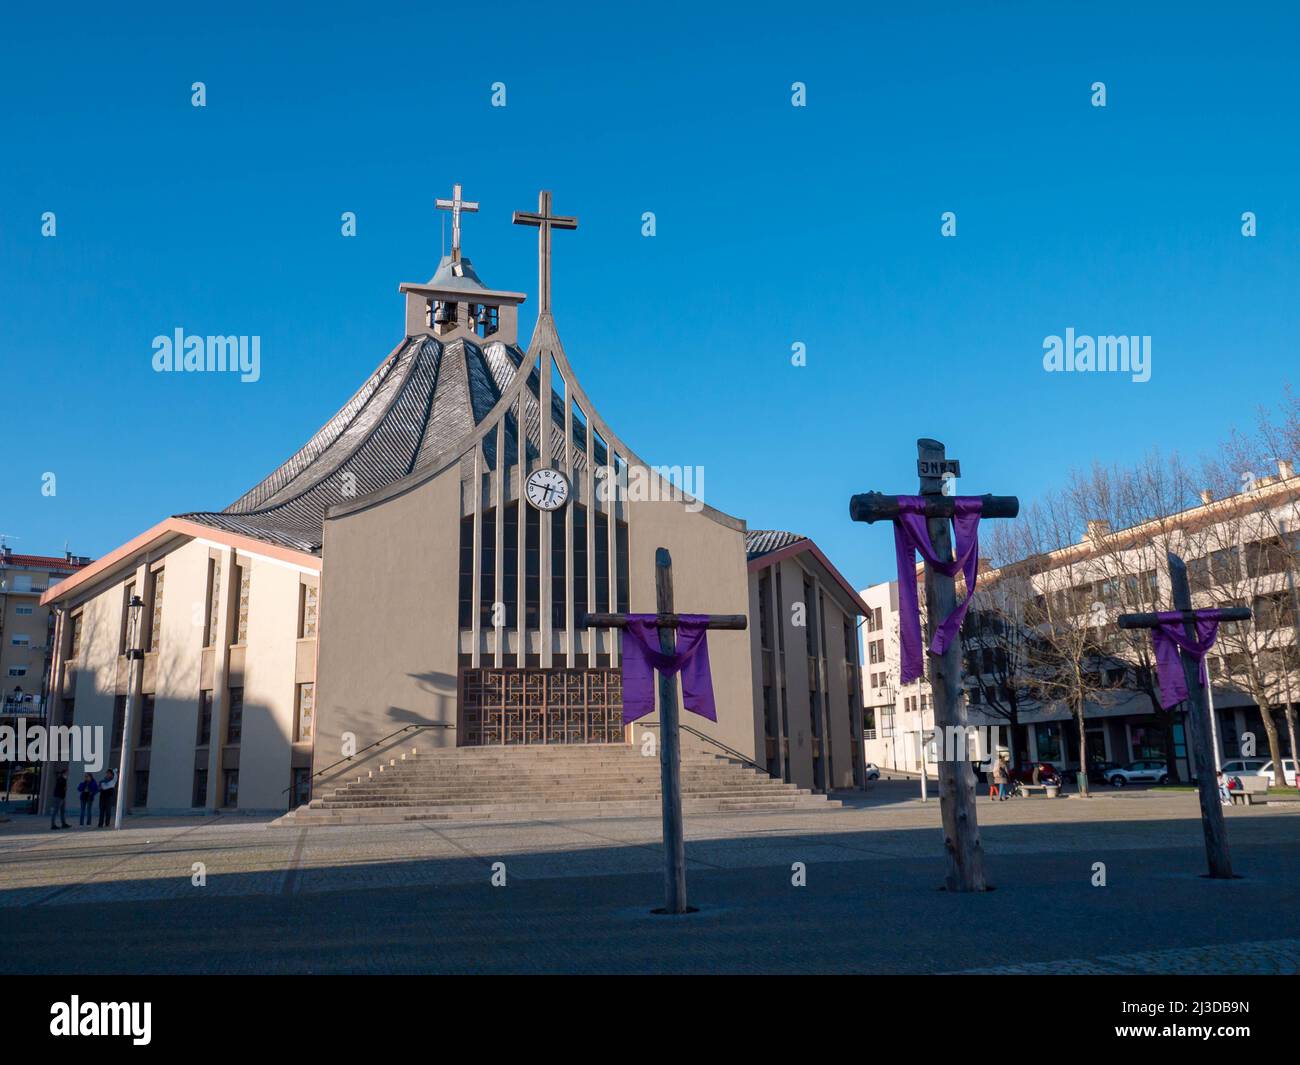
134 654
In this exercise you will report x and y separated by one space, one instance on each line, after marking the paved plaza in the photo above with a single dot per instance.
577 895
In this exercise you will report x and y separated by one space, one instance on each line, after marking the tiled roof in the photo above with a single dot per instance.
420 402
759 542
42 562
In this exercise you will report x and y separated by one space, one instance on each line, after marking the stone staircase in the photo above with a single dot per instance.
528 783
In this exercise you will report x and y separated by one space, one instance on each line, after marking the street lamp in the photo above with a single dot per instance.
133 654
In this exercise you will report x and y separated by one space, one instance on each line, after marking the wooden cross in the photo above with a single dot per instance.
1197 719
670 754
455 205
965 854
544 221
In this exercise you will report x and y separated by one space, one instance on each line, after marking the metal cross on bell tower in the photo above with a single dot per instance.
455 205
544 221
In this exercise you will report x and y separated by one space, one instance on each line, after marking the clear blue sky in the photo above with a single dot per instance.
775 225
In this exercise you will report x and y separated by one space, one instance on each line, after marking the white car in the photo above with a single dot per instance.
1288 772
872 771
1246 767
1138 772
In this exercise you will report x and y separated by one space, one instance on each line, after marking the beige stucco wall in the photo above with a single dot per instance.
388 629
175 674
269 675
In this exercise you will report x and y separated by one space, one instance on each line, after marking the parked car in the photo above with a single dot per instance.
1246 767
1288 772
872 771
1138 772
1097 771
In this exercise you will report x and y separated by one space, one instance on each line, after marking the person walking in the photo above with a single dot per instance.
107 797
59 802
1000 778
88 788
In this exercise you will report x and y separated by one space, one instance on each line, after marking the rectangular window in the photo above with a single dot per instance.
119 720
205 719
308 611
200 798
306 703
602 562
23 611
241 626
155 622
621 564
532 567
17 671
235 717
214 602
510 565
466 596
580 558
146 721
69 710
20 639
230 788
558 603
76 636
141 797
487 571
764 612
300 786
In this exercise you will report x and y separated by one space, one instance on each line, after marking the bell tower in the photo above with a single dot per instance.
454 302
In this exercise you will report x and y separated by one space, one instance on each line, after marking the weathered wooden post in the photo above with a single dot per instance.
1197 719
670 753
965 855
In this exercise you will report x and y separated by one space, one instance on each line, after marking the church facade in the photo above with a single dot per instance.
423 565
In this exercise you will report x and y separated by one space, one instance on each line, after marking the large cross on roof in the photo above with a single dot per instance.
544 221
455 205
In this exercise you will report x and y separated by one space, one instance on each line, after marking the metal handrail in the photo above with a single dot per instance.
384 739
652 723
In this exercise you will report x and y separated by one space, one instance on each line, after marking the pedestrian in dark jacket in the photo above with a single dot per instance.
107 797
59 802
88 788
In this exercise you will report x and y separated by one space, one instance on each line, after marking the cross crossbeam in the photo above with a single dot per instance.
456 205
873 506
545 221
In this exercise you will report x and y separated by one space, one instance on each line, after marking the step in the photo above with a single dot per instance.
521 812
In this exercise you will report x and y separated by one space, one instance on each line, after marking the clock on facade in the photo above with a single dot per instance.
547 489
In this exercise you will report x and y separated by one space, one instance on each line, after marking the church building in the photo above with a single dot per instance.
423 565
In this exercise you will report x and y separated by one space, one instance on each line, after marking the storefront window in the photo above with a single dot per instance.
1048 738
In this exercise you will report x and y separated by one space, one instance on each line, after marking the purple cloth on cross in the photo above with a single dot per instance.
1167 638
911 536
641 657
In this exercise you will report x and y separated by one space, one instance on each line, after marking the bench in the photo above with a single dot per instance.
1030 788
1252 787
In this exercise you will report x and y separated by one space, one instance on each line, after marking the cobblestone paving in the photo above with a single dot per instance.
418 897
1278 957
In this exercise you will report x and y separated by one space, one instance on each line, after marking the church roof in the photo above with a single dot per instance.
421 401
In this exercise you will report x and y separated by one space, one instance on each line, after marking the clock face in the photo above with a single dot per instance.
547 489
